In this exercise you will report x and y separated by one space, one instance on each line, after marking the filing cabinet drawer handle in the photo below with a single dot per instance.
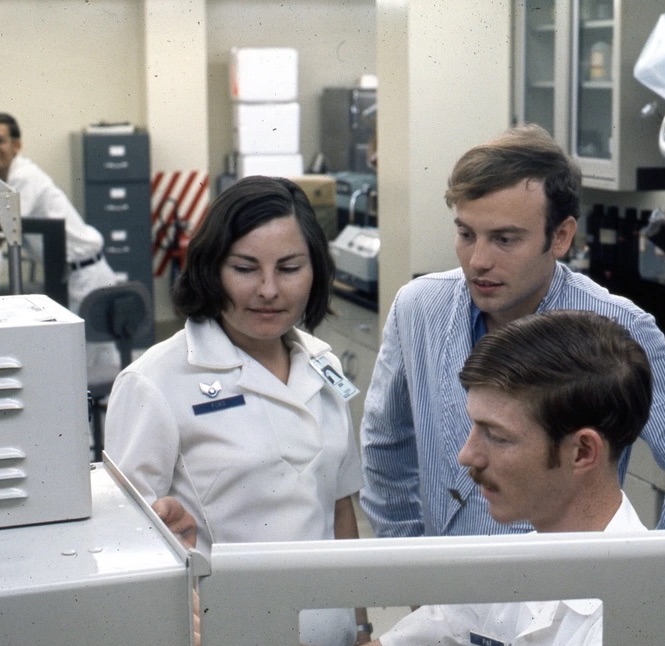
113 250
116 165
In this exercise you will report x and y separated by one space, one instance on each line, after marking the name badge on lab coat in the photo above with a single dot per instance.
218 404
344 388
481 640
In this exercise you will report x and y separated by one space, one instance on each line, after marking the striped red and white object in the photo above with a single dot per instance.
179 200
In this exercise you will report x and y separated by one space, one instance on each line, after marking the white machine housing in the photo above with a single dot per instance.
118 577
356 253
83 558
44 431
255 591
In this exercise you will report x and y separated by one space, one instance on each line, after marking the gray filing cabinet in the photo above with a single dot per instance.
353 335
116 201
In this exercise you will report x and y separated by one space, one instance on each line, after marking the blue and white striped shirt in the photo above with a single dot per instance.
415 419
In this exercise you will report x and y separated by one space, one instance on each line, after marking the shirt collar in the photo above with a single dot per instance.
209 347
478 325
559 279
624 520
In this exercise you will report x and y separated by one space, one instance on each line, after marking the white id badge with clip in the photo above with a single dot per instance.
344 388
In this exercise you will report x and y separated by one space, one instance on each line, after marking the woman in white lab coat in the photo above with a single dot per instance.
232 416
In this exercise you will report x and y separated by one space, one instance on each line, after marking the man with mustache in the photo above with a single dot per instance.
516 201
554 399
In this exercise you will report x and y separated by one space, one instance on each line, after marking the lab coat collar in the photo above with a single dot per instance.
304 382
209 347
313 346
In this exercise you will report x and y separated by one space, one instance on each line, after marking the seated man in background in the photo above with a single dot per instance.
554 399
41 198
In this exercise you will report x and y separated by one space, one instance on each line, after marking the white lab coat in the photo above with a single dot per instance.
41 198
264 461
575 622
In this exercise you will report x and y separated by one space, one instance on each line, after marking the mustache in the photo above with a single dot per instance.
476 475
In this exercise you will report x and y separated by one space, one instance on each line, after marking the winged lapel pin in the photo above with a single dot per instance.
212 390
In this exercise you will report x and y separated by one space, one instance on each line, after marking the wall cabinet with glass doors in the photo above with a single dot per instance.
573 75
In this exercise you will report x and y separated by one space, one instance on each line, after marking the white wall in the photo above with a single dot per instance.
65 64
444 71
176 81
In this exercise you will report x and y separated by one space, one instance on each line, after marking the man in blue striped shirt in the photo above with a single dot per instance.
516 201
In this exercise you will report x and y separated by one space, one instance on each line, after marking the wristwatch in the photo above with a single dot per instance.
365 628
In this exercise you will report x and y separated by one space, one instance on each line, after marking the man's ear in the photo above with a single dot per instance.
563 237
588 448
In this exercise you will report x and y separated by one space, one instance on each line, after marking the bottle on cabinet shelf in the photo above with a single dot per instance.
600 62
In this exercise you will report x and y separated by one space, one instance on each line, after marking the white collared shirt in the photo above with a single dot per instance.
253 459
571 622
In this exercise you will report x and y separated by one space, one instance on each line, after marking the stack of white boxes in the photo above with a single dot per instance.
266 112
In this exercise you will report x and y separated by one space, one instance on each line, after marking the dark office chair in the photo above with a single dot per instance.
119 313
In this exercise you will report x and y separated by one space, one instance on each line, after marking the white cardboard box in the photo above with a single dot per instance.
271 165
266 128
262 74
